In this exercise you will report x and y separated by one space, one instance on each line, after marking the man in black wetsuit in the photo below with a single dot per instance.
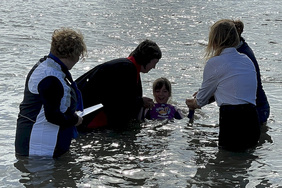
117 85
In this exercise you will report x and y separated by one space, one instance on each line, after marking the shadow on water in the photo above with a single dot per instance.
155 155
48 172
120 159
100 158
221 168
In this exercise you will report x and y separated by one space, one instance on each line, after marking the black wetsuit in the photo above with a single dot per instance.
117 85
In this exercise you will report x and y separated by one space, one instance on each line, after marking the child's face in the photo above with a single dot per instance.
161 95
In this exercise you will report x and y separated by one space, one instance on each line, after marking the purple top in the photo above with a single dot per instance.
163 111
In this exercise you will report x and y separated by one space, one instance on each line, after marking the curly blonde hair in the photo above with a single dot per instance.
67 43
223 34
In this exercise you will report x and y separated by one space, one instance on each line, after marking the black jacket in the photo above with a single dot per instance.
115 85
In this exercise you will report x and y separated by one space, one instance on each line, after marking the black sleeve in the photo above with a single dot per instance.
148 115
51 92
139 98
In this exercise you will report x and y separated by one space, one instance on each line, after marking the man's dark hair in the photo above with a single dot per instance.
145 52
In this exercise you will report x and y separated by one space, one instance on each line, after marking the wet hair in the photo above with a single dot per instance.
145 52
239 26
160 82
67 43
223 34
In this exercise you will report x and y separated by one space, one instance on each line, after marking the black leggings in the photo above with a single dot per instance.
238 127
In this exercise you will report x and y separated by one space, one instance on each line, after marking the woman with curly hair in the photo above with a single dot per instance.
47 118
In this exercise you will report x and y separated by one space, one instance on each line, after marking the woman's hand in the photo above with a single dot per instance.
80 119
148 102
192 104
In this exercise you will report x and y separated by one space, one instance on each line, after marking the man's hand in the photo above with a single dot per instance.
148 102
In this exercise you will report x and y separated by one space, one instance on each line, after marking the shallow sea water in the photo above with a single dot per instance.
159 154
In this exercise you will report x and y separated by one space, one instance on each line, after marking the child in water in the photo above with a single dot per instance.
162 110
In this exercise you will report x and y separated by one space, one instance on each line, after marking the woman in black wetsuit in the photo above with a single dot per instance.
262 104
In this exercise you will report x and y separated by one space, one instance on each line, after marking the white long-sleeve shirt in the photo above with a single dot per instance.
230 77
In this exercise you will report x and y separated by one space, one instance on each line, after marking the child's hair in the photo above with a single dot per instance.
160 82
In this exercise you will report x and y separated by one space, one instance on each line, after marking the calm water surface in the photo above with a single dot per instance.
160 154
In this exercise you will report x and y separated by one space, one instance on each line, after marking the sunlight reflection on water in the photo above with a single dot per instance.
160 154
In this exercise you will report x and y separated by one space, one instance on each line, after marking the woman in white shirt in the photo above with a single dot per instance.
231 78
